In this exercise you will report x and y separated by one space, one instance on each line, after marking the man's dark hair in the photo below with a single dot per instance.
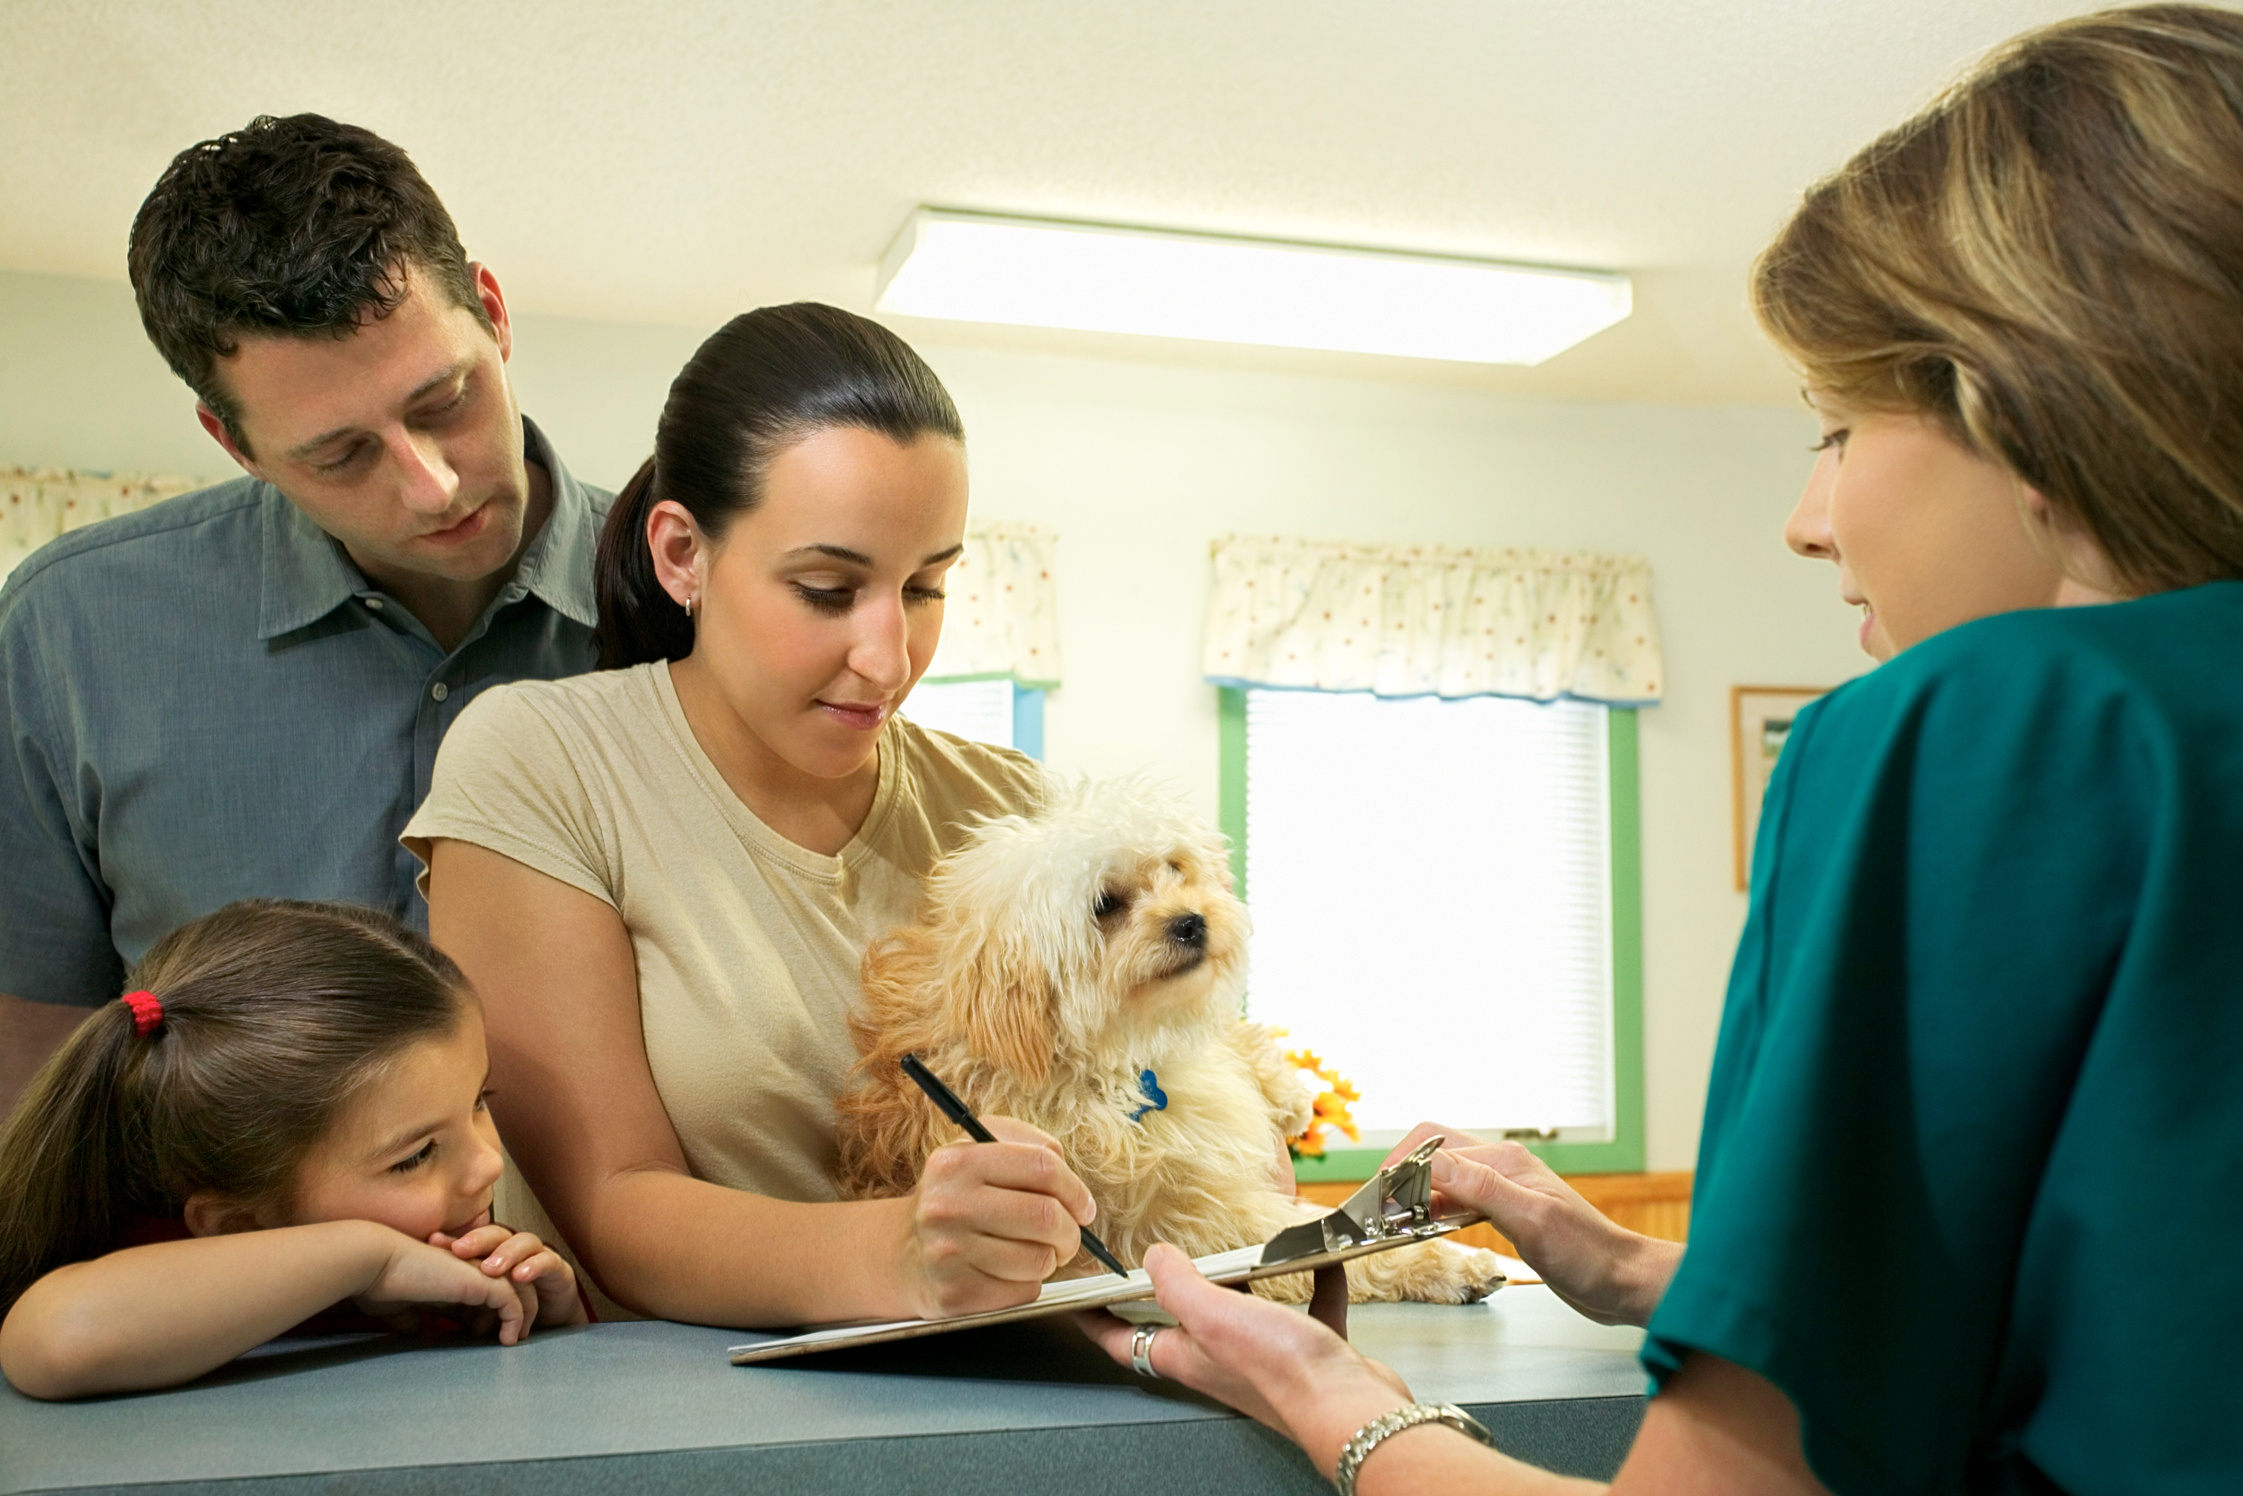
297 227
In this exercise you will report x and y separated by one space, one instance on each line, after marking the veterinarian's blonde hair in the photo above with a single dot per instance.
2050 261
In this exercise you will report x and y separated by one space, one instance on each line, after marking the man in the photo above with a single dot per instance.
240 692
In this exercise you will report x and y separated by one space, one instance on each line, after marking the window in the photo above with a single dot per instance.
987 711
1444 901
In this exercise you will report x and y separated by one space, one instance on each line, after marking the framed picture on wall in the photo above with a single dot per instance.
1760 720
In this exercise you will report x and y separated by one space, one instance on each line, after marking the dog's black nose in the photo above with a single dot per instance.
1188 929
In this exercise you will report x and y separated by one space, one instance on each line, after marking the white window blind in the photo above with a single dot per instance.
1431 886
977 709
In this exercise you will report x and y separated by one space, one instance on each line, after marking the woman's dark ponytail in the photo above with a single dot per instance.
639 621
761 383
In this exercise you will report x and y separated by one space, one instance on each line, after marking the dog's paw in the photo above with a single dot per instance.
1434 1272
1468 1275
1291 1097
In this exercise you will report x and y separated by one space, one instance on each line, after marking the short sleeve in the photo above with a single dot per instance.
1946 879
506 779
953 785
55 942
982 778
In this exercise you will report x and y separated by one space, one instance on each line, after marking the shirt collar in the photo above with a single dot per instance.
558 564
307 575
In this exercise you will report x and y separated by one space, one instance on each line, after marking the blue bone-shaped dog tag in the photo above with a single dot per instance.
1156 1100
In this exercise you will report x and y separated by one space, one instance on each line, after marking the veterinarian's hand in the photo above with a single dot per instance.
1605 1271
1279 1368
992 1221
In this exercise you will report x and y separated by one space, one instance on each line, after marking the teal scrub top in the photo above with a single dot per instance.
1970 1189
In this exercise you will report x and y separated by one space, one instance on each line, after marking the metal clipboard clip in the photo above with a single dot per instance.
1396 1202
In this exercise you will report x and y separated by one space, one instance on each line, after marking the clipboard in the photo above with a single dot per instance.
1393 1209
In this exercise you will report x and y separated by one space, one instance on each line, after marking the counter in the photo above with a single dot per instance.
634 1409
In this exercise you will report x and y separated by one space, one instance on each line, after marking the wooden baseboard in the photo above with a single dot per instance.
1654 1204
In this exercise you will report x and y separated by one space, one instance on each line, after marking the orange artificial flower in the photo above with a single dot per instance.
1330 1109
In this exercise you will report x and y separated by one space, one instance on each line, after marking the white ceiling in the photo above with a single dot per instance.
681 160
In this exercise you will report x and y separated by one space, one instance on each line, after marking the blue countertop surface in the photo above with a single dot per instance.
657 1407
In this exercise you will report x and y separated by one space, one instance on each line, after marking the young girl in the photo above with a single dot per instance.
286 1113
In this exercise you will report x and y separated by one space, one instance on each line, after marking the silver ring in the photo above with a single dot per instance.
1141 1350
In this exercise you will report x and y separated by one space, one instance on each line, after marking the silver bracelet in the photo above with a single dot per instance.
1386 1425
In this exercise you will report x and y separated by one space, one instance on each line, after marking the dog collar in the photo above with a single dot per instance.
1156 1100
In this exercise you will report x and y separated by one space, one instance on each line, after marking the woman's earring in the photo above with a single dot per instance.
689 605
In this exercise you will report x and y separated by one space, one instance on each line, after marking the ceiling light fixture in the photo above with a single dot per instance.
977 267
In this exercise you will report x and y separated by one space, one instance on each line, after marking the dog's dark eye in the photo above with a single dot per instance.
1108 903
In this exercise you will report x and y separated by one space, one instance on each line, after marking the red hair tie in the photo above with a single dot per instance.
147 1012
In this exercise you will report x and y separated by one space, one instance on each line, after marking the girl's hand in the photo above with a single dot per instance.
417 1275
1278 1367
991 1221
1605 1271
547 1284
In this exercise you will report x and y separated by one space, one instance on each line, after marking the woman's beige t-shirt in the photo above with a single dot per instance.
747 945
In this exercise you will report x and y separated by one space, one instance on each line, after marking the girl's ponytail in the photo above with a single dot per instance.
66 1168
254 1026
639 622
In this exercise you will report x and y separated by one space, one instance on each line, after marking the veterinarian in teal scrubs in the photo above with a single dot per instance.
1960 1190
1967 1196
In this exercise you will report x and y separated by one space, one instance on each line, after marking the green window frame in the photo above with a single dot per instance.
1624 1153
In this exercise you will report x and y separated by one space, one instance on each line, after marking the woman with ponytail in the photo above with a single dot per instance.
285 1113
662 876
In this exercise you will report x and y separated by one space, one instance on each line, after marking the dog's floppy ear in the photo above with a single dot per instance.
1000 1003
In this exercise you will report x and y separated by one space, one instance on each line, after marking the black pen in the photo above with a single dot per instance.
962 1114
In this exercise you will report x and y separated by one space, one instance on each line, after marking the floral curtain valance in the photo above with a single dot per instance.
1001 620
1002 617
1424 621
38 504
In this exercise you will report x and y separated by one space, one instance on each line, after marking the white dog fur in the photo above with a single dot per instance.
1053 960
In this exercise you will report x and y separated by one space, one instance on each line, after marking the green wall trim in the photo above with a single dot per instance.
960 680
1342 1165
1230 724
1625 1153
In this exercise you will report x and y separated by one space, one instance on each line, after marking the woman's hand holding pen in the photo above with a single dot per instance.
991 1221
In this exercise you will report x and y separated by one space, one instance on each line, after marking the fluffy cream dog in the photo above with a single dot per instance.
1082 971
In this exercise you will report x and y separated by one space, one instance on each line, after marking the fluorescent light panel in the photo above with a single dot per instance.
974 267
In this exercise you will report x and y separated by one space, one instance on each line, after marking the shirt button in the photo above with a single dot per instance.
373 602
439 691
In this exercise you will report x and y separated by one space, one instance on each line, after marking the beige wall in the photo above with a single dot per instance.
1137 466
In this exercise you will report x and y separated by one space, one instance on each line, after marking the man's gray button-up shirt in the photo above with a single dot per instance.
207 701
